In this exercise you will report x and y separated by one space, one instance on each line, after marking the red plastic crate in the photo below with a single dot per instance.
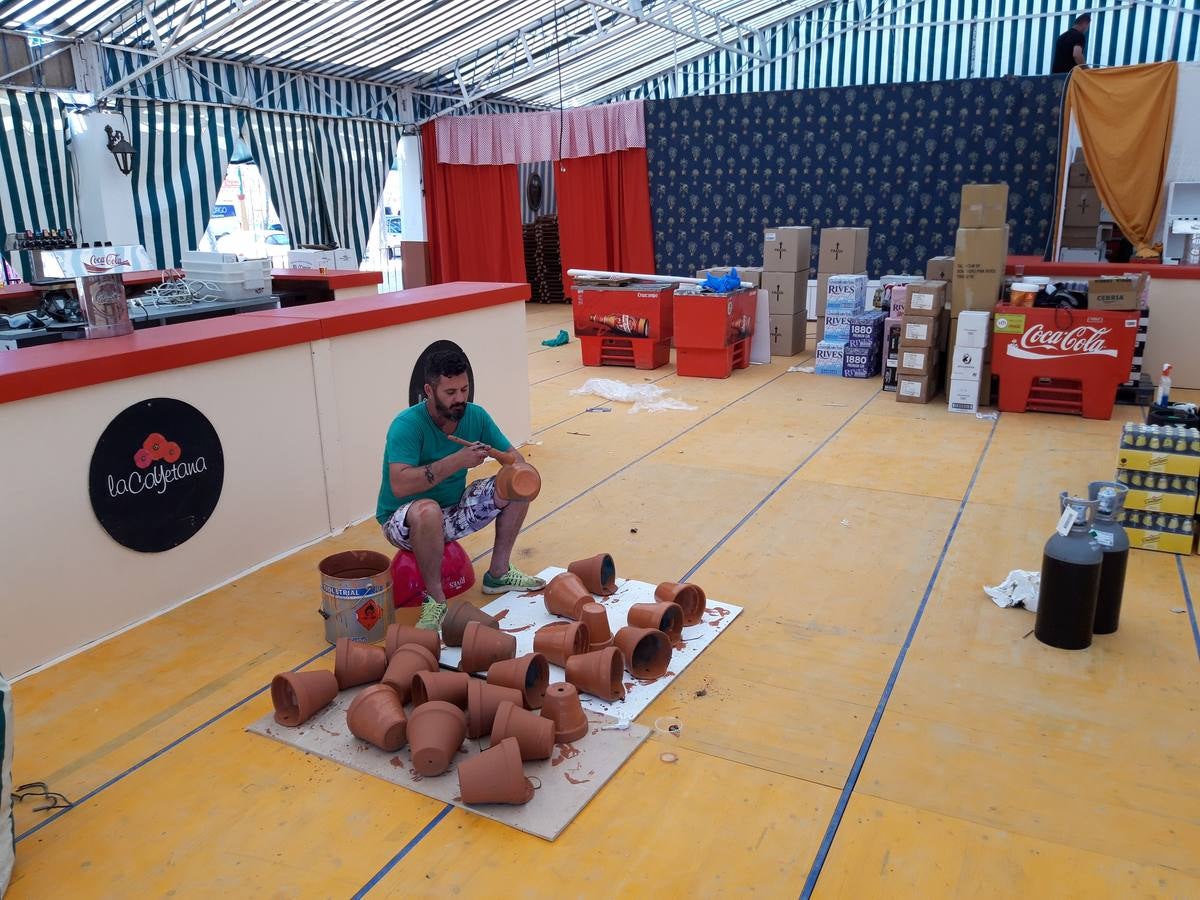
639 353
716 363
640 311
713 321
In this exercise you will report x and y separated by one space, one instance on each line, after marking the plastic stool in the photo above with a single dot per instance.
408 587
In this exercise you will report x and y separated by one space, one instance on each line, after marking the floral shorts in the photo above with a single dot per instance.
474 511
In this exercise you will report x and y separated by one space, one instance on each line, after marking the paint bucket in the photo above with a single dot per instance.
1023 294
356 595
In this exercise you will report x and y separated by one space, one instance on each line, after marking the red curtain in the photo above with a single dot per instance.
604 212
472 218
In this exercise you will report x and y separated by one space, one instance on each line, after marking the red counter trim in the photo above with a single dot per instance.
50 368
1035 265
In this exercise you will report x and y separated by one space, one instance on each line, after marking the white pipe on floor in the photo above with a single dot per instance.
663 279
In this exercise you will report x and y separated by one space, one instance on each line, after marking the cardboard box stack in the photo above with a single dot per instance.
787 255
1161 467
843 251
920 348
1081 235
845 302
970 363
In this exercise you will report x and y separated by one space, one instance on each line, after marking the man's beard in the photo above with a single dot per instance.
453 413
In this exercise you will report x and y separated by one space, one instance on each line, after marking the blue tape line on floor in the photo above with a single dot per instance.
157 753
1191 607
852 779
404 851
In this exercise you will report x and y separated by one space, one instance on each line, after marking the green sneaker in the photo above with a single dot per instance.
512 580
432 614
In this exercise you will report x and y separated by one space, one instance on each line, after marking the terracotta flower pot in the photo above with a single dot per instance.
518 481
528 674
566 595
436 731
377 716
355 663
534 734
562 707
599 574
300 695
483 646
407 634
455 621
595 617
495 776
690 597
664 616
647 651
448 686
598 673
483 700
558 640
407 661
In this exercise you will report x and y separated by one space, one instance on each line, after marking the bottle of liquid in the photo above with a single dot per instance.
1114 544
1070 585
624 324
1163 397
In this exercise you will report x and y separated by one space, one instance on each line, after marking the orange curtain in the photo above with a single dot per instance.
1124 116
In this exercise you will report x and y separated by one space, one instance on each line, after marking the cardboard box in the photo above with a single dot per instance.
860 360
980 258
787 248
1083 208
310 259
1115 292
925 298
919 332
820 302
345 260
867 328
788 334
846 293
966 363
830 355
1079 255
843 251
985 382
1078 175
837 326
940 268
963 395
983 206
891 375
1086 238
787 291
917 360
1166 541
1161 501
1158 461
916 388
973 329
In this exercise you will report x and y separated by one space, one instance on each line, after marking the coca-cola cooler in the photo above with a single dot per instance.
1062 360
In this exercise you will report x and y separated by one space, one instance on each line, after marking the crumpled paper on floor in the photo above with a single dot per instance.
1020 588
648 397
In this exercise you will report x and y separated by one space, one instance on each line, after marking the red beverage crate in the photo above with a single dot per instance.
640 353
720 363
714 321
635 311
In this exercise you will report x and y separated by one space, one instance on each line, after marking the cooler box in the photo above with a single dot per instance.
1060 360
712 332
630 311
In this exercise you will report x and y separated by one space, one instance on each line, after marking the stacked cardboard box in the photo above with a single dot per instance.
1081 213
970 365
920 348
1161 468
787 254
862 355
843 251
845 302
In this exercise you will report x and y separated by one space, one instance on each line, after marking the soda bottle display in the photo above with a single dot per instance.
1114 543
1070 585
624 323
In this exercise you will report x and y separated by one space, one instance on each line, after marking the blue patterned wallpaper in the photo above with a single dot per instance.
892 157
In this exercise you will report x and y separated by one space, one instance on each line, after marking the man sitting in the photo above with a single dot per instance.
424 499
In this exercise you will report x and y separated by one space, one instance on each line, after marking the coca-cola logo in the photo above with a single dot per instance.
98 264
1040 342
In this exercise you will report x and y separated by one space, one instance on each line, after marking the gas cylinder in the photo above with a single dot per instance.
1070 584
1114 544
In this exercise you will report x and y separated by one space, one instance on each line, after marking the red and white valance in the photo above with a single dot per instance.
534 137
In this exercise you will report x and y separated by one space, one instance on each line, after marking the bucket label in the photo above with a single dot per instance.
345 593
369 614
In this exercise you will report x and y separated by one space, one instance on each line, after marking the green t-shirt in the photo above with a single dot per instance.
415 440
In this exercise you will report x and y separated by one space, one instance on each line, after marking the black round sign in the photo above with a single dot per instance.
416 384
156 474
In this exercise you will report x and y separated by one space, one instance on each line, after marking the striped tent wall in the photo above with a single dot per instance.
183 151
284 147
545 169
843 43
354 158
38 190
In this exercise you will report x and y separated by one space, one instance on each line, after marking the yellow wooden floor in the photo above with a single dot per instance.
982 763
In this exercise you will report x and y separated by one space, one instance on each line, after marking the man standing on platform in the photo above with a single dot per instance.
1068 49
424 500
